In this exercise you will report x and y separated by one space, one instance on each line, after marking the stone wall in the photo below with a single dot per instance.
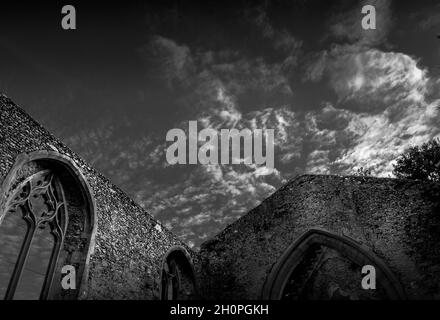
130 245
398 220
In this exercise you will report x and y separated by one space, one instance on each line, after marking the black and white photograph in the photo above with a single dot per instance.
220 155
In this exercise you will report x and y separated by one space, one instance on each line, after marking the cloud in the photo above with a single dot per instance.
281 39
382 108
211 197
383 101
370 80
380 139
167 60
216 195
212 87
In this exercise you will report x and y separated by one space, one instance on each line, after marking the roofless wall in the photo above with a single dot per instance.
117 247
311 239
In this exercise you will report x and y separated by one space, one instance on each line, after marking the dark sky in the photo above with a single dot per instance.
338 97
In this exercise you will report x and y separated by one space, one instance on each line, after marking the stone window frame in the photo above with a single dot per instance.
281 271
89 213
42 182
176 257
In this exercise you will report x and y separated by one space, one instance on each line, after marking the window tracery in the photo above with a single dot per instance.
30 250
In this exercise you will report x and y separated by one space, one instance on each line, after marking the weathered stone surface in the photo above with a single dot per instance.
130 247
399 220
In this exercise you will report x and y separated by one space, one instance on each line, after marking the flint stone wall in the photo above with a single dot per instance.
130 244
399 220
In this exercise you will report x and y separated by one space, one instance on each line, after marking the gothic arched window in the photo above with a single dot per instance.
178 281
171 281
47 221
31 236
321 265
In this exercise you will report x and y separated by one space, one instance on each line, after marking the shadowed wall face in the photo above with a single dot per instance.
395 220
178 278
326 274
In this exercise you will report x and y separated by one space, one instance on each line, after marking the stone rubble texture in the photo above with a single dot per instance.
127 260
399 220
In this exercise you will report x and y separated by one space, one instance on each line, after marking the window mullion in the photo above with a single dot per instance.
52 264
30 219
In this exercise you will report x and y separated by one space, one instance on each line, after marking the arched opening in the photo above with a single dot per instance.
47 221
177 279
323 266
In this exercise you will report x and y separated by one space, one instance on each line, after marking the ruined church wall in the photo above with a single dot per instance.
130 245
399 220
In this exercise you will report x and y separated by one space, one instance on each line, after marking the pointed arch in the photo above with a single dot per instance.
177 275
276 281
63 200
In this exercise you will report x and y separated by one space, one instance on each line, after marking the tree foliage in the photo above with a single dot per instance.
420 162
363 172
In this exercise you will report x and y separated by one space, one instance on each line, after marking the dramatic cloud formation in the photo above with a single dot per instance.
381 108
338 98
387 97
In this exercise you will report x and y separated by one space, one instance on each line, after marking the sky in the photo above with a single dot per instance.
338 97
